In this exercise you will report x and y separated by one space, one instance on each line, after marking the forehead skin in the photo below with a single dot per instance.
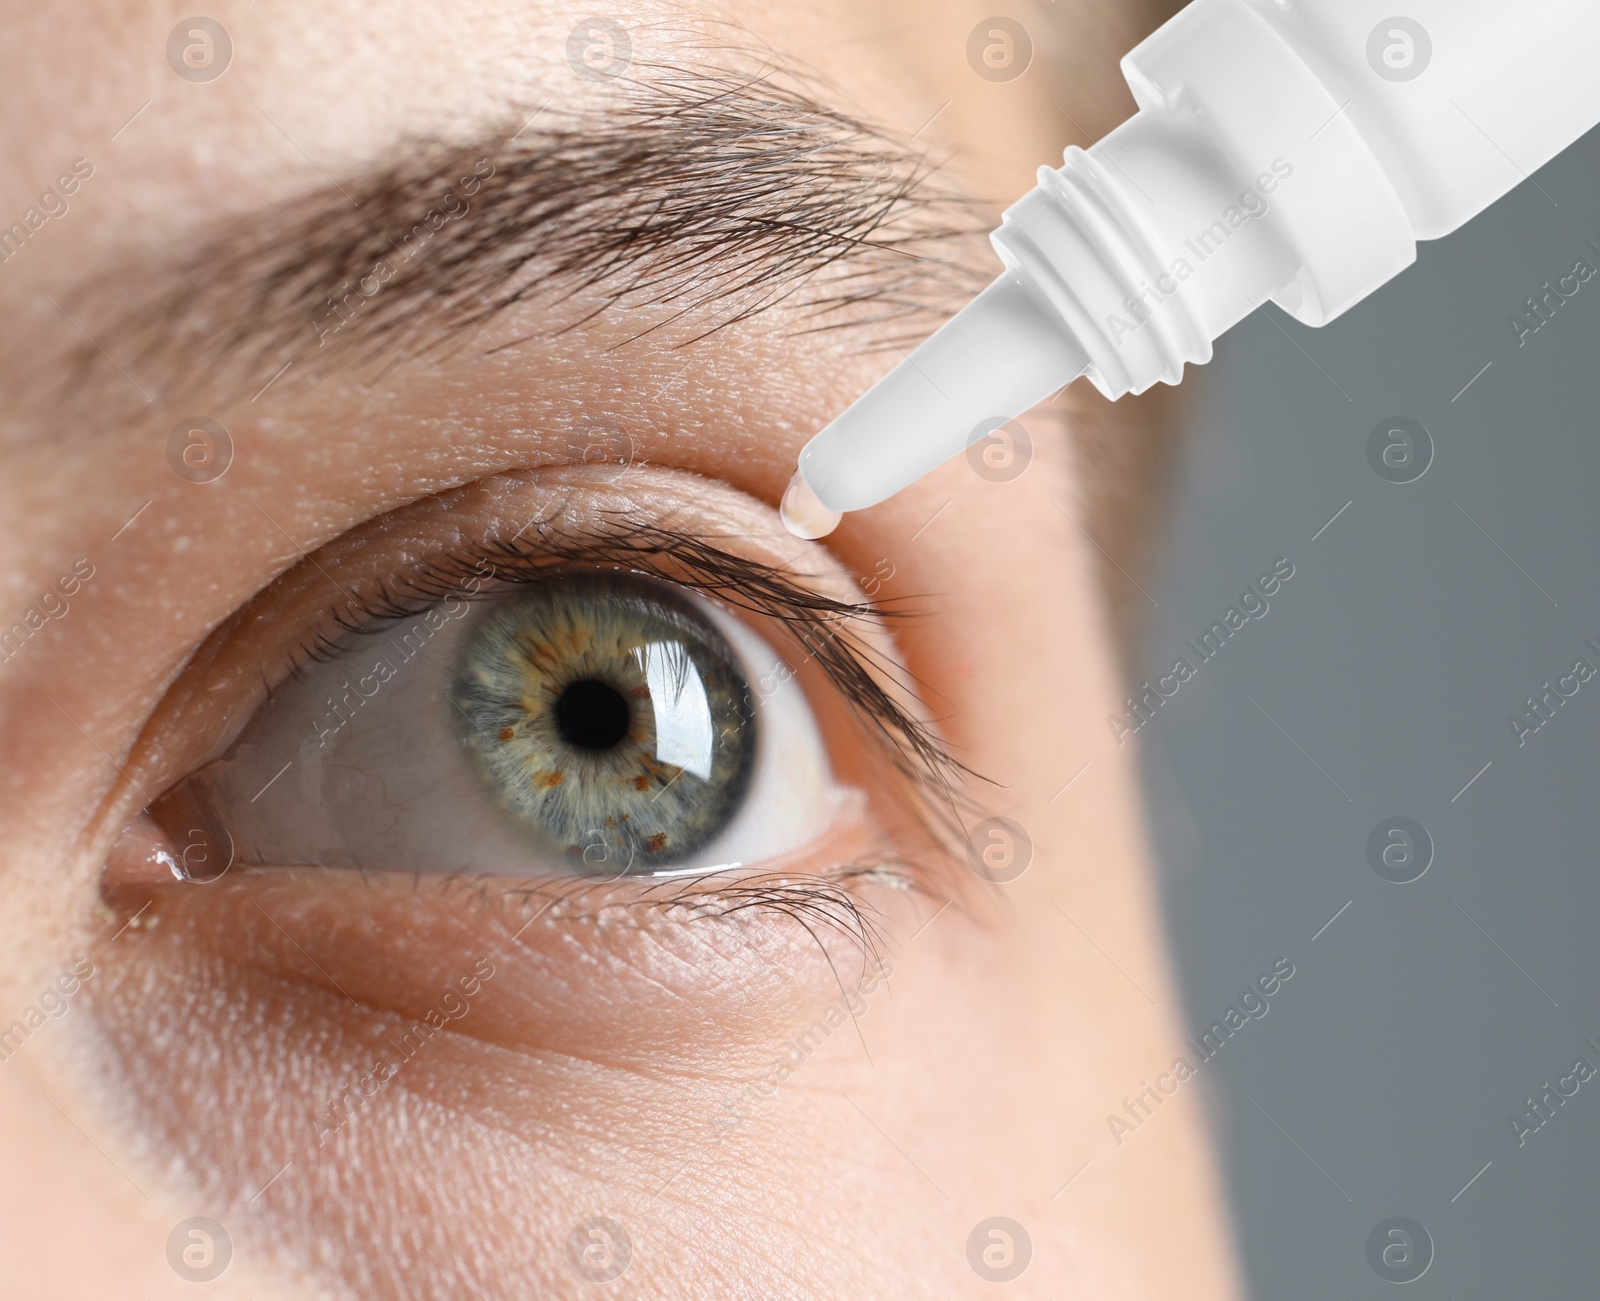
1007 1042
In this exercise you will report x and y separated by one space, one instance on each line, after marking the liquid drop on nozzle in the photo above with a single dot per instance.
803 513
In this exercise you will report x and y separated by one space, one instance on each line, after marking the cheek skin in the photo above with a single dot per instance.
1059 1032
270 1024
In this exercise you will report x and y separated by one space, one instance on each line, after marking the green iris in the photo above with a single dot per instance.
610 717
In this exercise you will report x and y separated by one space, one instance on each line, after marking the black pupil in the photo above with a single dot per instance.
592 715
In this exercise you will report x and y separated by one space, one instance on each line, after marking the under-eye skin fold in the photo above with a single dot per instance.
591 703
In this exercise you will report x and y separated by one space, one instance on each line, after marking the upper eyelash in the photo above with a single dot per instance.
823 626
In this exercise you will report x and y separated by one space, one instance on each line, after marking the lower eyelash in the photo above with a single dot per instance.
822 904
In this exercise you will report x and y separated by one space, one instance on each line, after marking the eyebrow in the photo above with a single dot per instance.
712 194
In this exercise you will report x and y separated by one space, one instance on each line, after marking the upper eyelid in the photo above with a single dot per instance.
820 624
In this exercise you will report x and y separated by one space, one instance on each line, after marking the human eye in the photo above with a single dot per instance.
526 717
597 696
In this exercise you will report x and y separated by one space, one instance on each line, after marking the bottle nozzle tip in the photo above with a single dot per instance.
803 513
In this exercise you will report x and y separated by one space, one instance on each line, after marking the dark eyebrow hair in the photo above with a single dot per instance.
711 194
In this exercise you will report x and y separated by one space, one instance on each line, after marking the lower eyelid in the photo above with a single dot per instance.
657 956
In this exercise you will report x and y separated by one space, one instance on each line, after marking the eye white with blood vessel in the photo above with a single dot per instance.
1284 150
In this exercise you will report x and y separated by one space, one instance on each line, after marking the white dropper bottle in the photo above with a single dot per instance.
1292 150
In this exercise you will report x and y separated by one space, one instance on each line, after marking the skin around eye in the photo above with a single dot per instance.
637 995
589 722
629 996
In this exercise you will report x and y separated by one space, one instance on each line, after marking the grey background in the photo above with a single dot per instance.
1381 1080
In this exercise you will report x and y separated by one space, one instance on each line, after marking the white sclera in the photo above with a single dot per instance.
391 784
